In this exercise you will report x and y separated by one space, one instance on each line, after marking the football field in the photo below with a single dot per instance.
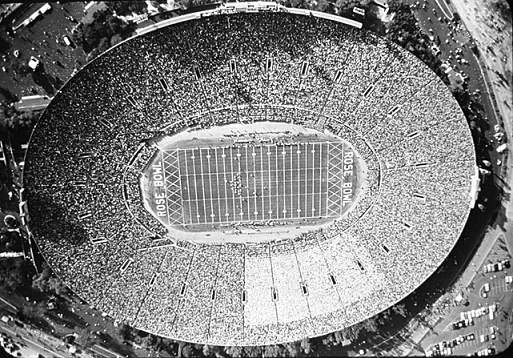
219 185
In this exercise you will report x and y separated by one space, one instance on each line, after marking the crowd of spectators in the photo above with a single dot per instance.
86 156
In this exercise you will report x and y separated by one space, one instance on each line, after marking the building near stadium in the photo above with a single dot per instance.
249 175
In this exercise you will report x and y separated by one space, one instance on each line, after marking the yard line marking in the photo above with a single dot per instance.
203 187
246 182
195 186
242 186
298 181
235 212
320 180
225 180
277 186
284 184
248 196
189 188
221 215
280 170
254 180
261 182
273 196
306 178
270 184
291 184
210 182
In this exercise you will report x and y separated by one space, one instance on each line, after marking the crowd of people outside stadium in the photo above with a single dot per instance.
91 226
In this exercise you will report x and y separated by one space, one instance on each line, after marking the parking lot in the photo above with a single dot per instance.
461 344
477 324
42 39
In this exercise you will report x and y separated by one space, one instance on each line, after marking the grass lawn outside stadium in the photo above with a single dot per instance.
283 175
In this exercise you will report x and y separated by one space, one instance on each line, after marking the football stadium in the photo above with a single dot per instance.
249 177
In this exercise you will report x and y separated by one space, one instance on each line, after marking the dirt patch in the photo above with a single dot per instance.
499 251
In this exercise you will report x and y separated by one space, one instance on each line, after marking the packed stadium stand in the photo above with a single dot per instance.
87 152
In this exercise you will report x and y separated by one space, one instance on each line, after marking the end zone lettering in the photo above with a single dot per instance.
347 187
158 183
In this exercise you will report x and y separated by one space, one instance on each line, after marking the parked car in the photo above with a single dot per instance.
459 325
485 290
470 337
468 322
33 63
497 267
66 40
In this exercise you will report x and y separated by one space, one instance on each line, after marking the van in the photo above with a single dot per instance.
45 8
66 40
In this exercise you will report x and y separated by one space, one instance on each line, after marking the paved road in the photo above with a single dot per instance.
31 346
12 307
452 37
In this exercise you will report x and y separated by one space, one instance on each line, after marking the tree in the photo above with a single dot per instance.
56 285
325 6
14 273
353 332
34 310
78 35
4 45
45 281
212 351
345 7
293 349
233 351
187 351
103 46
87 337
338 337
400 309
114 40
252 351
370 325
271 351
125 332
306 346
149 341
40 281
125 8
